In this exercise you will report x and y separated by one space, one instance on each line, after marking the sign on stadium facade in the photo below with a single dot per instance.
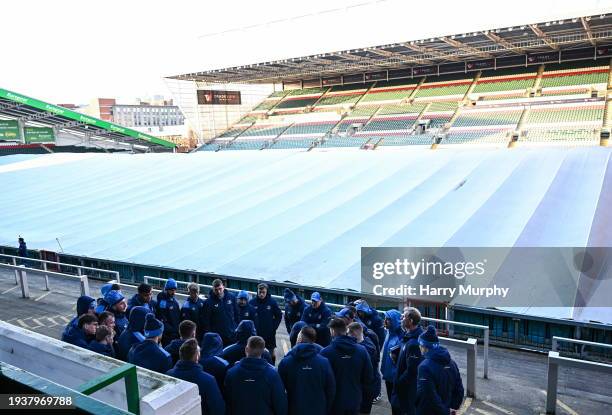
9 130
213 97
39 135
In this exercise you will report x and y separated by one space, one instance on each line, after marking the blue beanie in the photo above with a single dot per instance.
170 284
343 313
315 296
429 338
363 306
84 304
152 327
289 295
113 297
106 288
243 294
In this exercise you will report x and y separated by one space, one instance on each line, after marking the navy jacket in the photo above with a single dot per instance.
23 250
308 379
135 301
235 352
373 389
221 315
405 385
254 387
353 372
373 322
293 313
105 349
395 333
168 312
133 332
173 349
211 361
194 311
319 319
439 386
121 321
212 401
75 335
245 312
268 316
151 356
295 330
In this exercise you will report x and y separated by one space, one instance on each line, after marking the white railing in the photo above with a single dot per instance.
485 329
556 340
470 345
21 272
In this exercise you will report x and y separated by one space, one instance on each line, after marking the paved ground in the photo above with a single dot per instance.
517 381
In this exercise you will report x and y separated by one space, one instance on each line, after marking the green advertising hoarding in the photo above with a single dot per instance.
9 130
38 135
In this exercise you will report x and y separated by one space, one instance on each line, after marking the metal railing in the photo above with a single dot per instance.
473 326
126 372
21 273
471 347
556 340
554 361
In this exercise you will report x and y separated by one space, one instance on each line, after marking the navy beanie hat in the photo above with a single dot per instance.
84 304
152 327
112 297
170 284
429 338
289 295
243 294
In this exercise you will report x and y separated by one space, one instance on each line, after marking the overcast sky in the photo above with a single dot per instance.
68 51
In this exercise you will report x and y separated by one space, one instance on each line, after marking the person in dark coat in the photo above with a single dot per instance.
193 309
371 318
295 330
355 331
85 305
188 369
103 342
395 333
294 308
235 352
352 369
439 386
268 316
22 251
211 361
84 333
221 313
134 332
245 310
349 314
149 354
317 315
403 398
308 377
253 386
143 298
117 306
187 330
168 311
102 305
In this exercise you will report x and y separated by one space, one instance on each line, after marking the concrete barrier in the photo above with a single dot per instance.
72 366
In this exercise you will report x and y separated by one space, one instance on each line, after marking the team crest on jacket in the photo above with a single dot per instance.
229 301
269 307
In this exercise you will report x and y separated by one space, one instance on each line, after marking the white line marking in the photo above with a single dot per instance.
10 289
43 296
37 322
482 411
285 348
563 406
465 406
502 410
22 323
55 323
66 319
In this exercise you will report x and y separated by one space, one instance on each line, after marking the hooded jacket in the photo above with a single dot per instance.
168 312
221 315
150 355
173 348
295 330
136 301
235 352
105 349
308 379
439 386
393 338
318 318
268 316
78 337
374 388
245 312
133 333
372 320
405 384
254 387
352 369
293 313
212 401
211 361
84 303
194 311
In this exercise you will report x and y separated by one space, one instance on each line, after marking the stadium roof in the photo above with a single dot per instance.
35 112
522 40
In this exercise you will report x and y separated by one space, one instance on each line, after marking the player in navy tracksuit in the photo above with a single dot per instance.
352 369
295 330
308 377
403 398
210 357
268 316
149 354
370 317
253 386
103 342
395 333
85 331
169 312
193 309
356 331
188 369
134 332
439 387
85 305
187 330
117 305
221 313
317 315
294 308
245 310
143 298
235 352
102 305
